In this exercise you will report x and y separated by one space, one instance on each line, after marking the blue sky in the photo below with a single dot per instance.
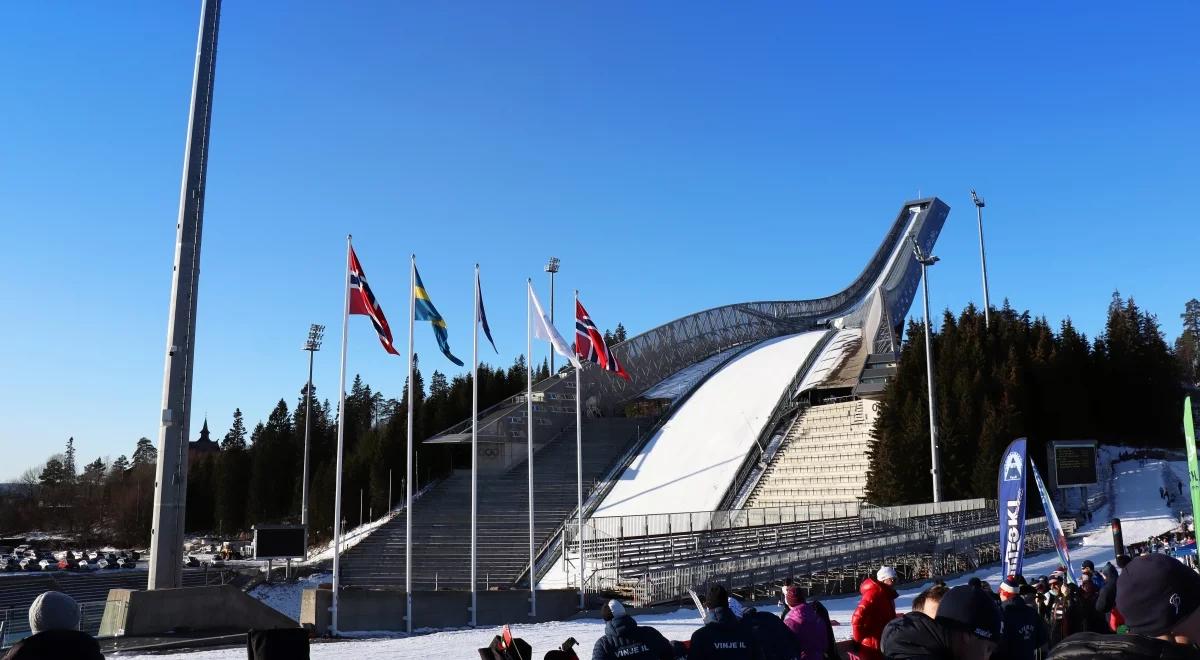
675 156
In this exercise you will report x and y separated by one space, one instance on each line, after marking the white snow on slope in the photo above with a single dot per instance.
689 463
1137 503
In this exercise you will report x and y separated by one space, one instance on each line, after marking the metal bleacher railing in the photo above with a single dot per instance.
656 558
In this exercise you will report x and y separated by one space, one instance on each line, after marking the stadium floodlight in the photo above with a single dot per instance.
552 268
927 260
316 333
978 201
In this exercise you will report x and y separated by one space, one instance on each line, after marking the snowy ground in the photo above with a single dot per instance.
285 597
1137 503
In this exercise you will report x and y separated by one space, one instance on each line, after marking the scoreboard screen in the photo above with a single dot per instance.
1075 465
279 542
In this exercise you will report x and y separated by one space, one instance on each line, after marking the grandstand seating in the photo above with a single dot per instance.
823 457
442 524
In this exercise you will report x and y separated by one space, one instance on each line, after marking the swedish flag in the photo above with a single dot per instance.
425 311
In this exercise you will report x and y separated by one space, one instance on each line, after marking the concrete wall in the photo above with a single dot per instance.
383 609
219 608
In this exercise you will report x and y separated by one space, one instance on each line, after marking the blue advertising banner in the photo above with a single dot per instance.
1056 530
1010 499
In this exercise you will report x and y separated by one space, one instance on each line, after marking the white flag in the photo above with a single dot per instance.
543 330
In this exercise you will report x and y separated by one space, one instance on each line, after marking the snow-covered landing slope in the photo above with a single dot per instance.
688 464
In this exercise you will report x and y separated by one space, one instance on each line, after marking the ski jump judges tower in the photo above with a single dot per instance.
757 404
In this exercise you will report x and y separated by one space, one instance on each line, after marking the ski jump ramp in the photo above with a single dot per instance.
714 429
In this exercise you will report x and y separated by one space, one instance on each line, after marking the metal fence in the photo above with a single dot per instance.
14 622
623 527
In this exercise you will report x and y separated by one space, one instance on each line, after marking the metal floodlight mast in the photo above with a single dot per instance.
927 260
552 268
987 321
316 333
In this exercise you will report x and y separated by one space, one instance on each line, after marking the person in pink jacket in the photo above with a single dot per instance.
805 624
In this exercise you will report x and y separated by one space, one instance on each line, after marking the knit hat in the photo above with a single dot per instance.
886 573
717 597
1088 563
969 608
612 609
1010 586
53 610
794 596
1158 594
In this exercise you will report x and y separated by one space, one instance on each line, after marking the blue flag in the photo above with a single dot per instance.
1010 496
425 311
487 332
1055 527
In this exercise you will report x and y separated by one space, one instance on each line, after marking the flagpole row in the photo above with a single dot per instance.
474 439
408 463
579 459
341 434
529 436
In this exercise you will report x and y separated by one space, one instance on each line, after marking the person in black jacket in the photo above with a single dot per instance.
625 639
54 621
1024 633
1106 600
831 652
775 641
722 637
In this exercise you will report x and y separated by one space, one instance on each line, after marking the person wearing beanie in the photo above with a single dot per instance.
54 622
1024 633
806 625
722 637
1088 568
876 608
1106 600
1160 599
972 622
624 639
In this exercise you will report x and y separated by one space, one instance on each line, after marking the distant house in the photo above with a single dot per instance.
205 445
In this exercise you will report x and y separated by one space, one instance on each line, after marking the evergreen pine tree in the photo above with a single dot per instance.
145 453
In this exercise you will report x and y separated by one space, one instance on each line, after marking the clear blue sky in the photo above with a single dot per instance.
675 156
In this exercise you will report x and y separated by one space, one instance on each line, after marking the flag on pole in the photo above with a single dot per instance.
487 332
1189 438
425 311
362 301
1054 527
542 329
590 345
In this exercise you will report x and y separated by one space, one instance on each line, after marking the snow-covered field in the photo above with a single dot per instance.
1137 503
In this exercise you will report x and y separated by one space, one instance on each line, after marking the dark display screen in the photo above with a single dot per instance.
1075 466
279 543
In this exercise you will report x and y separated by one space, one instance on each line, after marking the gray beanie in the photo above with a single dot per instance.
53 610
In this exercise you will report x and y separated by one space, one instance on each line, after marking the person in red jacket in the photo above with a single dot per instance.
876 609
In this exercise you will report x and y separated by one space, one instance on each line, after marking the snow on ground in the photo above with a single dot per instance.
689 463
285 596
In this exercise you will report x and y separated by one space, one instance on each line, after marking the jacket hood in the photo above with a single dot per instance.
1109 572
915 635
870 585
620 626
720 615
1126 647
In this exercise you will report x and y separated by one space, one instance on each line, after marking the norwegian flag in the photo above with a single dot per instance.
590 346
362 301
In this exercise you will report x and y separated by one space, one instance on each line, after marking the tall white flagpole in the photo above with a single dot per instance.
408 463
579 457
529 435
474 439
341 434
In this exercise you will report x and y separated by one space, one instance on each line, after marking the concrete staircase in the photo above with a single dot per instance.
823 457
442 518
